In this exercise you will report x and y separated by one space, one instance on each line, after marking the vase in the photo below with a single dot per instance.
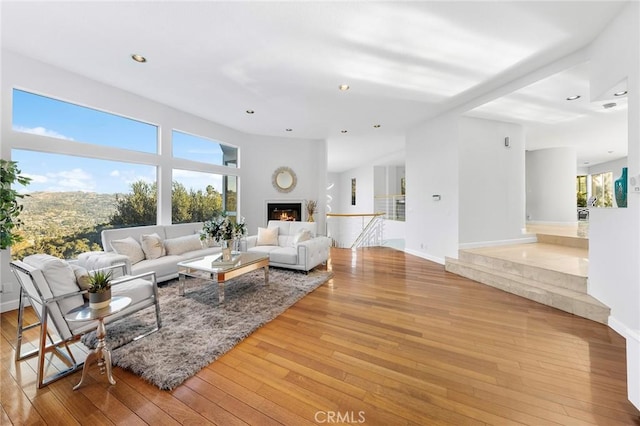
226 250
100 300
620 189
311 217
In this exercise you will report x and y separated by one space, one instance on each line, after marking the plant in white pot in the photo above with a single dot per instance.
99 289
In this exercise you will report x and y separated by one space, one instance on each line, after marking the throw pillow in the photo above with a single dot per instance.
130 248
267 237
82 278
152 246
301 235
180 245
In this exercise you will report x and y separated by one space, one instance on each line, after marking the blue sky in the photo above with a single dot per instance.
54 172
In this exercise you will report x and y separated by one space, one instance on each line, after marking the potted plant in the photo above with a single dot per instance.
222 230
10 209
99 289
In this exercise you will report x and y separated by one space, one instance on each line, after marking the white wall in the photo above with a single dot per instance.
551 185
614 234
259 156
345 229
432 169
492 190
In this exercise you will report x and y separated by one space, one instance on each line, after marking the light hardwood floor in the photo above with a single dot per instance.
392 339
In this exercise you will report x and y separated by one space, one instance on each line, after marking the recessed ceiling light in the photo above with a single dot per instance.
624 92
138 58
610 152
376 126
343 131
573 98
343 87
586 162
609 105
289 130
250 111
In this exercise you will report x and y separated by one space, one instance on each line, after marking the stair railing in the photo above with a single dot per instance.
355 230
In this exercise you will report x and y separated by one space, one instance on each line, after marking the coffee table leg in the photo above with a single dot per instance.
181 284
220 291
266 275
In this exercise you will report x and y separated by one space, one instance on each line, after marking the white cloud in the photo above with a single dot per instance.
67 180
115 173
37 178
42 131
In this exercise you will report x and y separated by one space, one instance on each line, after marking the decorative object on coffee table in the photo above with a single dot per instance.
224 231
99 289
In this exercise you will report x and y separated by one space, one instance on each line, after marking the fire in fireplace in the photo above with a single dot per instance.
284 211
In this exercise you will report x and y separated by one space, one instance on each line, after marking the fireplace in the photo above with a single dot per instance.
290 211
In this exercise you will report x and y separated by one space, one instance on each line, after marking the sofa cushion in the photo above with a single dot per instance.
162 266
301 235
267 237
286 255
152 246
130 248
180 245
138 290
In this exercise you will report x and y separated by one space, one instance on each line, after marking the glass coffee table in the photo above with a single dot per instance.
213 269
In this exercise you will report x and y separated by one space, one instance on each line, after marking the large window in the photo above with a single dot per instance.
195 196
581 190
72 198
602 189
51 117
201 149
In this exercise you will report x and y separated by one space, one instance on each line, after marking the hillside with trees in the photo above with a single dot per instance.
65 224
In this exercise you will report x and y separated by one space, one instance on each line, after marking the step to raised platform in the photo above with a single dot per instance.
564 240
558 289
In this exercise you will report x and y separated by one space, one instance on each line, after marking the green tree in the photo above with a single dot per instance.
139 207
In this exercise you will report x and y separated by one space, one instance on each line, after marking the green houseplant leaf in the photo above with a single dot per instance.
10 208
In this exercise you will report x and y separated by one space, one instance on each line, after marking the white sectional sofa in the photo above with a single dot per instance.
295 246
142 249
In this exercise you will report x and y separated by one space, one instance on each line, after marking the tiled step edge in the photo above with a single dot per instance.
563 240
580 304
534 273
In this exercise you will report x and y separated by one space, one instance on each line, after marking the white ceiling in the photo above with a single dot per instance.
405 61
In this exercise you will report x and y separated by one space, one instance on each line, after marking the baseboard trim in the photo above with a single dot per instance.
9 305
425 256
633 358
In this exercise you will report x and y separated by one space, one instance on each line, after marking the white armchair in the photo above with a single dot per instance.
49 285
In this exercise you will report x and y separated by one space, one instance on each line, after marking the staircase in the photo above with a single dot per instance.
550 286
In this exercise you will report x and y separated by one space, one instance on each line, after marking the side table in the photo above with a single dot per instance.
101 353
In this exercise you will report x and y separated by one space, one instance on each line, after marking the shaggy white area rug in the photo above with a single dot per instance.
196 329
